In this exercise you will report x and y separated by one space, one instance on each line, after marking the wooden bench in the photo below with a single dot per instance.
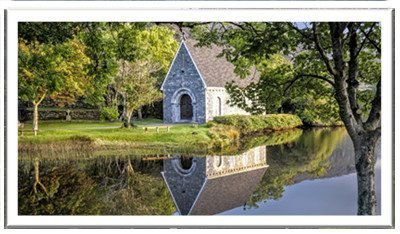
155 158
26 130
157 128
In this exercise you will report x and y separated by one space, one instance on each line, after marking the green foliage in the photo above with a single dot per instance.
109 113
104 186
137 85
47 32
253 123
266 95
144 195
157 44
69 191
245 44
100 48
67 60
57 71
294 78
311 100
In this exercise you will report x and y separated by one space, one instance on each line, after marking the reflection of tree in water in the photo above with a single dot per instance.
309 154
133 187
109 186
65 190
268 139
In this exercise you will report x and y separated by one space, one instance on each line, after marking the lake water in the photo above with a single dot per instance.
312 175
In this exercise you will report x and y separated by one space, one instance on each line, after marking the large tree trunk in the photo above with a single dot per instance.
124 108
35 124
365 167
127 118
363 134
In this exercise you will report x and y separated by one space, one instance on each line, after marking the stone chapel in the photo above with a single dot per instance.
194 87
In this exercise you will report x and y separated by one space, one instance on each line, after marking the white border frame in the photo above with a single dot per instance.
15 15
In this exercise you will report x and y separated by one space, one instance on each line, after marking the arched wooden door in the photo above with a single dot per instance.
186 107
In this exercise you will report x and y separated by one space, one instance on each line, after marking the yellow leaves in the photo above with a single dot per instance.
137 83
59 68
28 74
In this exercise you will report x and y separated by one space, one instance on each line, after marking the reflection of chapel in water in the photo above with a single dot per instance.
213 184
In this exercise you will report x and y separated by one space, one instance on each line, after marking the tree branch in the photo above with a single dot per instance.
352 82
373 43
374 117
252 27
40 99
341 94
303 34
365 39
297 77
321 52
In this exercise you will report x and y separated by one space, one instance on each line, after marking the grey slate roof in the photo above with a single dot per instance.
227 192
216 71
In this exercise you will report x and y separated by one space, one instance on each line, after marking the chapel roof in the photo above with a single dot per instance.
216 71
227 192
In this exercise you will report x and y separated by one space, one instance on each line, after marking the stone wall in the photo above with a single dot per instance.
217 103
226 165
25 115
183 78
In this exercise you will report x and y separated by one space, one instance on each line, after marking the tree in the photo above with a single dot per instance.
136 84
143 42
66 191
47 32
340 54
51 70
103 67
310 99
309 155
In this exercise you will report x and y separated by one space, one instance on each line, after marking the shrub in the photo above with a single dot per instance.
109 113
254 123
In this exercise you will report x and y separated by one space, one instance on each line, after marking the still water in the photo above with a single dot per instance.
312 175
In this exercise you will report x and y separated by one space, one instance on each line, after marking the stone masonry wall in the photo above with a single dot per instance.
183 78
213 95
225 165
25 115
184 187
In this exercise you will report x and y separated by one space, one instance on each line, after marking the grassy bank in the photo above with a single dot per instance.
62 137
248 124
78 135
235 128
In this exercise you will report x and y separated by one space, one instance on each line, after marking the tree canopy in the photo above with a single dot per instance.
344 57
66 61
52 70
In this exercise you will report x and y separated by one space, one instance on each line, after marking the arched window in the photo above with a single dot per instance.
219 106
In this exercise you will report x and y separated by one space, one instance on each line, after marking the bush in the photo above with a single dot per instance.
109 113
254 123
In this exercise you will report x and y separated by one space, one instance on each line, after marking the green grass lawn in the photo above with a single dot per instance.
51 131
57 137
